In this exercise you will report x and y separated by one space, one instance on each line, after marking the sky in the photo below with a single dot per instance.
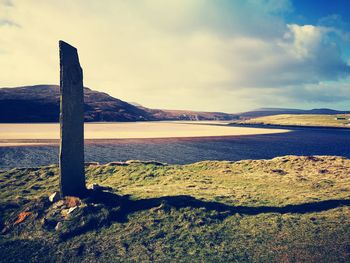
209 55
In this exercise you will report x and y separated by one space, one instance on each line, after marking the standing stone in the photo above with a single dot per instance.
72 175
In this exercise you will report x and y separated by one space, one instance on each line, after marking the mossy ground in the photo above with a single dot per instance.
288 209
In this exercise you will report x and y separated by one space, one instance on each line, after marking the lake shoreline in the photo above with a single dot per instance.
95 133
31 152
113 141
284 126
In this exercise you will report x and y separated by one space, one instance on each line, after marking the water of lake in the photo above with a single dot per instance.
300 141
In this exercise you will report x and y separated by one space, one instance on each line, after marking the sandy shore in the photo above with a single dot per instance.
48 133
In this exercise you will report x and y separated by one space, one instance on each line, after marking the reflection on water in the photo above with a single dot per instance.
301 141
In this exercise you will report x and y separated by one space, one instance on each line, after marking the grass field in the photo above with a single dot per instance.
303 120
288 209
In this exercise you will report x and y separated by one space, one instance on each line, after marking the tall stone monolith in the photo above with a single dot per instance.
72 174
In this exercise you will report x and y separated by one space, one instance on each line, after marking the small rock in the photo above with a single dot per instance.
58 204
43 221
54 197
71 201
64 212
95 187
70 210
58 226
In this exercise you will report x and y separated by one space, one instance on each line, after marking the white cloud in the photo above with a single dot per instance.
306 39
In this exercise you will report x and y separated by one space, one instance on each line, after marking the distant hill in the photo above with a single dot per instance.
313 120
277 111
190 115
40 103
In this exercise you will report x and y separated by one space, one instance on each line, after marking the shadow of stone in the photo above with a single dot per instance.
128 206
103 208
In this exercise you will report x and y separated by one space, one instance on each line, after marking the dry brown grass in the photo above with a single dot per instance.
303 120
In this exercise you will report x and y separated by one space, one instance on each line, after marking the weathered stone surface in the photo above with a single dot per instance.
72 175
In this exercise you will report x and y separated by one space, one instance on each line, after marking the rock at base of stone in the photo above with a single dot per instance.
54 197
70 210
58 226
71 201
95 187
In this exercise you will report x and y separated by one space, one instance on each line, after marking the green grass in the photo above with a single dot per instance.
303 120
288 209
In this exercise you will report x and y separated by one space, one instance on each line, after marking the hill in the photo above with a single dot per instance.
277 111
321 120
287 209
40 103
190 115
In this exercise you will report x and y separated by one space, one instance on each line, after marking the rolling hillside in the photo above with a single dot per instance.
277 111
314 120
40 103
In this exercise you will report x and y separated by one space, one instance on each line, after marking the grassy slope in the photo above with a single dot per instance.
249 211
302 120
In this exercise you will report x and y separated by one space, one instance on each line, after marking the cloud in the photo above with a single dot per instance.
329 94
192 54
323 92
6 22
300 56
6 2
337 25
312 52
333 21
222 17
6 7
